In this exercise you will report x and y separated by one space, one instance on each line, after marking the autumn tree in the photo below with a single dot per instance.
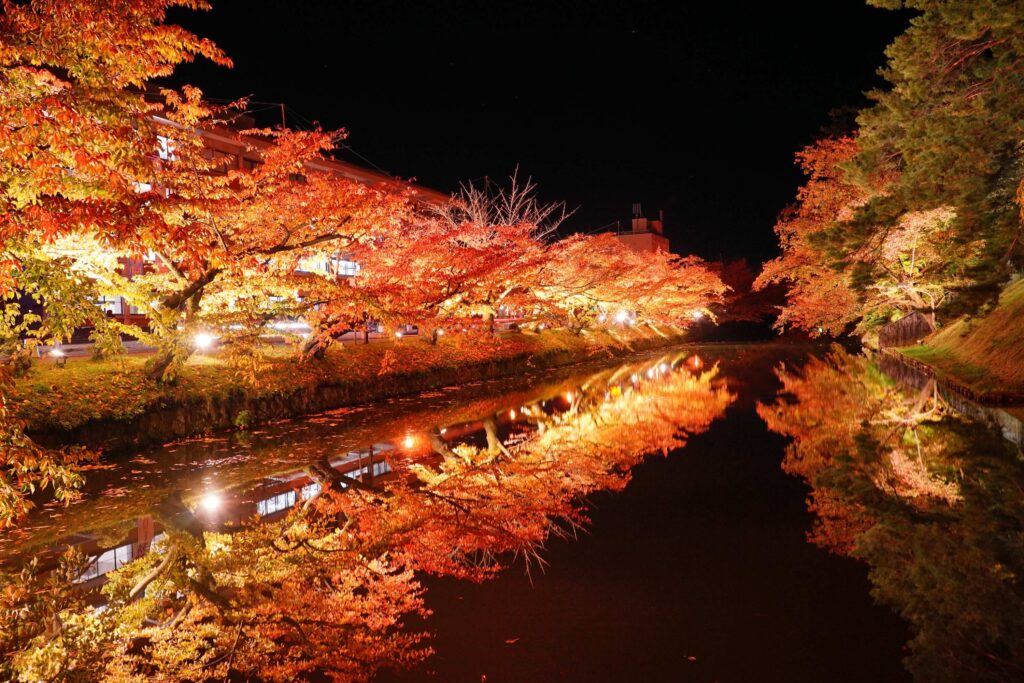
589 280
928 499
75 138
921 203
257 230
950 125
820 297
910 265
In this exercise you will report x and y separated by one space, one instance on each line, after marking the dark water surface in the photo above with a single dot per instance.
704 555
698 569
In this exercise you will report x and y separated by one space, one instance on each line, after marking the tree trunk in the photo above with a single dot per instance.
494 444
158 365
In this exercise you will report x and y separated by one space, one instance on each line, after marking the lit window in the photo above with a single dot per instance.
339 265
106 562
281 501
165 148
109 304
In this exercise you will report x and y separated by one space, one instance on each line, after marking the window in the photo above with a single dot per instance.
143 187
281 501
309 490
250 164
346 268
106 562
165 148
109 304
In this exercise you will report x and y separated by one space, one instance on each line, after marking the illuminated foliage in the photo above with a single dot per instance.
326 590
928 500
910 265
75 138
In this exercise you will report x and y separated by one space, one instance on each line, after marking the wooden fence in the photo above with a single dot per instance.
906 331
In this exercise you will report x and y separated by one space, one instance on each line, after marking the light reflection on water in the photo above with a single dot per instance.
298 548
306 534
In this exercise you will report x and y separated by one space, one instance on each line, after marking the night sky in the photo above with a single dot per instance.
696 110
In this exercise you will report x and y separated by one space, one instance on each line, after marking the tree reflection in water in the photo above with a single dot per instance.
325 590
932 502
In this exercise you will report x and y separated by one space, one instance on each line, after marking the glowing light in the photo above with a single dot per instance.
291 325
59 357
444 429
621 317
211 502
696 362
650 373
203 340
512 414
568 396
409 441
439 332
697 315
398 335
663 367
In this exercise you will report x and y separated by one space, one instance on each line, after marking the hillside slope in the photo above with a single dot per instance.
985 353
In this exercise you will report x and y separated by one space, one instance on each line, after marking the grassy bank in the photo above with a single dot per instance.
113 404
986 354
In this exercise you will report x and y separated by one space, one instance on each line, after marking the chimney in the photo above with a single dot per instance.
639 222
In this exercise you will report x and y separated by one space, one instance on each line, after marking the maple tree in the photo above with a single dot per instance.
820 297
909 265
75 138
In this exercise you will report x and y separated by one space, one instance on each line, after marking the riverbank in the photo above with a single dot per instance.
111 405
983 355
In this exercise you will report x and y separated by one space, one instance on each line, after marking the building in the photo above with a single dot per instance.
242 152
645 234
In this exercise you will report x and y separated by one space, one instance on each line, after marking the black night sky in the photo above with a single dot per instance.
696 110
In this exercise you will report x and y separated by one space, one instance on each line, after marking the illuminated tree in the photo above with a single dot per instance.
593 280
950 124
911 265
929 500
325 591
820 297
75 139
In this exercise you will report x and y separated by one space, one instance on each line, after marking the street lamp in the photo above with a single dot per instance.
203 341
60 359
211 502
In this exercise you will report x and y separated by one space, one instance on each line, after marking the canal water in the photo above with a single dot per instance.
756 512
